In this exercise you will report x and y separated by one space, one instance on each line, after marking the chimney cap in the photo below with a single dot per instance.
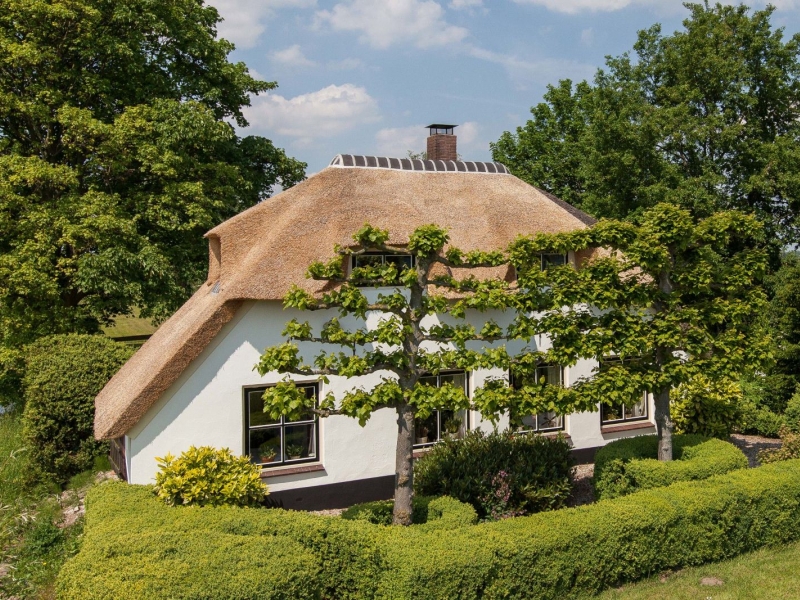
440 128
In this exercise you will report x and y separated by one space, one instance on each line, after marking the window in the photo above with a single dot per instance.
553 260
273 443
546 421
620 413
374 259
442 424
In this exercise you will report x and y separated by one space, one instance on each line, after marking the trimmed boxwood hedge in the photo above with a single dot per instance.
133 547
436 513
629 465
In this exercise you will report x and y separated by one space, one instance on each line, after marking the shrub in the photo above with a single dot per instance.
537 471
759 420
790 448
706 408
628 465
439 513
207 476
63 375
792 414
135 547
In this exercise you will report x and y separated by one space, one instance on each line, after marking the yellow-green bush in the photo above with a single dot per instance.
207 476
435 513
706 407
628 465
566 553
790 448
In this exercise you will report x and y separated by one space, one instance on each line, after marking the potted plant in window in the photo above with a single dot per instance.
452 428
294 451
422 435
267 453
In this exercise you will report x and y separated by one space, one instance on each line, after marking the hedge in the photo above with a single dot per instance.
628 465
436 513
131 547
63 375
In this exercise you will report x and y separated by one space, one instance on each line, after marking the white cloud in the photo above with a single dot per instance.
467 133
244 19
382 24
397 141
661 6
462 4
291 57
324 113
545 70
587 37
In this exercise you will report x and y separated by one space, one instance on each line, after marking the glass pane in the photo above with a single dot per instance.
529 422
456 379
265 445
300 441
255 404
611 413
368 260
637 410
402 261
549 374
311 392
553 260
426 429
549 420
429 380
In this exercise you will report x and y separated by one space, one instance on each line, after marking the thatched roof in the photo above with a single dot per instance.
260 253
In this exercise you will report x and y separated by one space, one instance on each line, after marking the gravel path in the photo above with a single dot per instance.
752 444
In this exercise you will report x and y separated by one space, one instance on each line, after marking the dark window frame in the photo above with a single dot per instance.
546 264
623 408
354 259
466 425
537 429
282 424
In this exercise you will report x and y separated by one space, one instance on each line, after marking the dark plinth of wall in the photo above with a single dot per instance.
442 147
346 494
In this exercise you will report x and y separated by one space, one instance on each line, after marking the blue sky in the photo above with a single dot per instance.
366 76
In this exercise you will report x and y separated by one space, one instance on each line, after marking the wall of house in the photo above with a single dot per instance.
205 406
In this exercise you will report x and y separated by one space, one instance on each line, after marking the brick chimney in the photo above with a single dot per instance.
442 142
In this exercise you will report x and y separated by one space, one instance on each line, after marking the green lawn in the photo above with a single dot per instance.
128 325
766 574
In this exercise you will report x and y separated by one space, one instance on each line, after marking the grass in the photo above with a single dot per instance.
762 575
128 325
30 540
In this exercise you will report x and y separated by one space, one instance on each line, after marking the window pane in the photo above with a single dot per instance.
310 392
549 374
255 404
611 413
549 420
265 445
426 429
529 422
432 380
300 441
368 260
553 260
403 261
456 379
637 410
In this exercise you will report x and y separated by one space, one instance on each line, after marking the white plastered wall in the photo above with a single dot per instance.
205 406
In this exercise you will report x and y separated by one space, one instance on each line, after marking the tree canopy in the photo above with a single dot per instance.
116 155
707 118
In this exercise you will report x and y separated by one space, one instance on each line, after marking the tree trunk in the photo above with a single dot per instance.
404 466
664 425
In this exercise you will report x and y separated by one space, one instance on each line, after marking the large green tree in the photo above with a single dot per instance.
707 118
117 152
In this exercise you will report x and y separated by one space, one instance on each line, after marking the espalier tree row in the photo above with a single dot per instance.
669 296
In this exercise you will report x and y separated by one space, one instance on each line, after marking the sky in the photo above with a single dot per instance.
367 76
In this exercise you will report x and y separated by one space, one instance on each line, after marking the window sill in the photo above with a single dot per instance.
281 471
626 427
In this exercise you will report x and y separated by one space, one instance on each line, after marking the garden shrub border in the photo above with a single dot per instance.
567 553
629 465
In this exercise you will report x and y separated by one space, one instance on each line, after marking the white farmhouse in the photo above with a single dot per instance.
193 383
